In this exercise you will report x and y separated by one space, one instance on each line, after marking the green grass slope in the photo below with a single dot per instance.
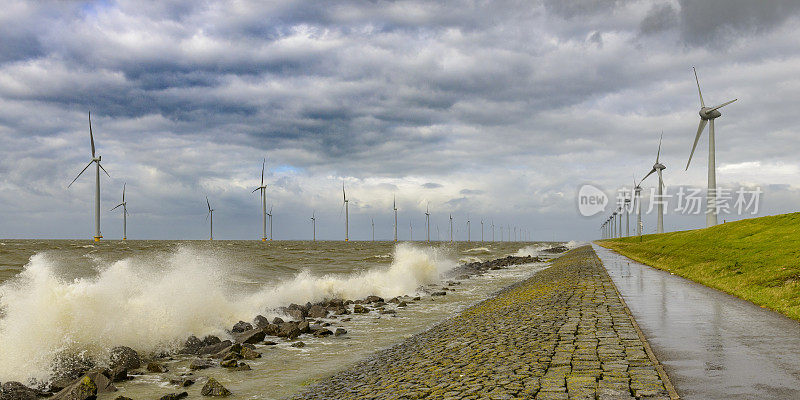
755 259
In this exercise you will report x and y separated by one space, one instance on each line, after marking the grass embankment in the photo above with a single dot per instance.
755 259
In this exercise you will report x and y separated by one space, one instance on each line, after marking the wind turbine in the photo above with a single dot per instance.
394 207
628 207
637 204
451 228
708 115
210 216
373 228
428 221
346 215
468 230
269 214
658 167
263 189
98 167
124 206
314 226
492 230
481 231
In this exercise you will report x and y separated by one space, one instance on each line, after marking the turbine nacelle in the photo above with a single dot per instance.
658 166
707 113
97 159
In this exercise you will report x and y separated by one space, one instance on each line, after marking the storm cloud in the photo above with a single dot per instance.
498 109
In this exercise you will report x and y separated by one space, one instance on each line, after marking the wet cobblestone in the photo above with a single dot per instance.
562 334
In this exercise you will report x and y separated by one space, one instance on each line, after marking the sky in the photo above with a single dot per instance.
496 111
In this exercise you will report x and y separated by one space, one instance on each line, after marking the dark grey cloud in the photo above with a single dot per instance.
661 17
722 22
431 185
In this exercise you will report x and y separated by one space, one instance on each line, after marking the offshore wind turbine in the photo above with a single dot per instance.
469 230
658 167
269 214
346 215
451 228
492 230
481 231
373 228
394 207
263 189
708 115
314 226
98 167
124 206
210 216
637 205
428 221
627 206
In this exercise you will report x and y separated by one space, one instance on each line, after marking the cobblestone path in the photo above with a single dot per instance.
561 334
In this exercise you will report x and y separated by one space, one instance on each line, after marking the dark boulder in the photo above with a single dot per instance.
251 336
260 321
71 366
359 309
174 396
323 332
340 331
17 391
215 348
402 304
373 299
192 345
277 321
241 326
441 293
126 357
214 388
317 311
270 343
211 340
156 367
83 389
304 327
297 311
298 344
200 364
272 329
182 382
102 379
119 374
289 330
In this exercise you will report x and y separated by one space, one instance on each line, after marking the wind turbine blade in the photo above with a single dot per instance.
700 128
254 190
344 194
123 191
648 174
723 105
659 147
209 204
104 170
264 164
91 136
270 210
79 174
117 206
702 103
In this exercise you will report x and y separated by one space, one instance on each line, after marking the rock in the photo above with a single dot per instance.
373 299
340 331
388 311
340 311
441 293
298 344
241 367
272 329
378 304
304 327
402 304
174 396
260 321
102 379
249 354
214 388
192 345
83 389
230 363
57 385
289 330
15 390
277 321
126 357
119 374
251 336
241 326
71 366
270 343
182 382
123 398
211 340
359 309
156 367
317 311
215 348
296 311
200 364
323 332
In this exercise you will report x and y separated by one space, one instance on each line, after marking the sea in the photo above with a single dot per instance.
62 297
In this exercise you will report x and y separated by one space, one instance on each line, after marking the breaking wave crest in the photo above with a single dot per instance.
153 303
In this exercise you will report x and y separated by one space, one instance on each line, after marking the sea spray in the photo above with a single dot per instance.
155 301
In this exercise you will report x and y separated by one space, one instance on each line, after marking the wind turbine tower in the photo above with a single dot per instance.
346 215
98 167
708 115
658 168
269 214
124 206
314 226
373 228
451 228
469 230
394 207
263 190
210 217
428 222
481 231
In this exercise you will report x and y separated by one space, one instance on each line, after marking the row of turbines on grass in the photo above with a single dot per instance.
519 233
612 226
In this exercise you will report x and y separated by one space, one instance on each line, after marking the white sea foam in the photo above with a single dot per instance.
149 304
531 250
478 250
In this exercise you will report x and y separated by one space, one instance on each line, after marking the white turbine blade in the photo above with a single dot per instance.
344 194
702 103
254 190
264 164
123 192
659 146
700 128
723 105
91 136
209 204
79 174
117 206
648 174
104 170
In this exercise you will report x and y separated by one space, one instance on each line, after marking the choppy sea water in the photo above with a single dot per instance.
62 296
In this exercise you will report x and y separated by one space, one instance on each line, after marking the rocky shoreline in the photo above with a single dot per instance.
562 334
80 378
